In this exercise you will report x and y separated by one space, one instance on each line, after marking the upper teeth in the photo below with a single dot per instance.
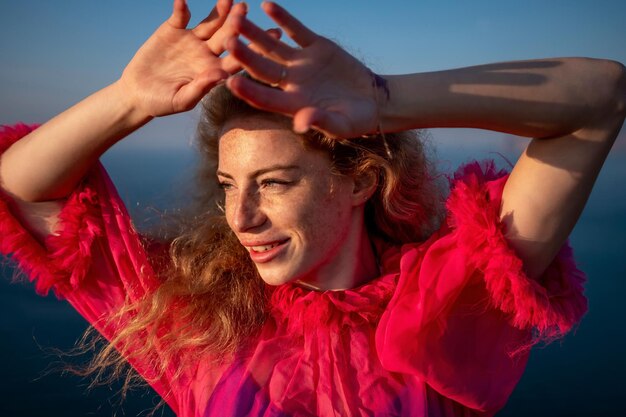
263 248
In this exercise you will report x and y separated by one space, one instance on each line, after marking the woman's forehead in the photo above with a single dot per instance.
256 122
258 137
252 143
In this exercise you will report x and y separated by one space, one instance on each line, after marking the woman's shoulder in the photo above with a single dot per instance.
470 252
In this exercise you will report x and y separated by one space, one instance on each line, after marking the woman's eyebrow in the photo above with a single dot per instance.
276 167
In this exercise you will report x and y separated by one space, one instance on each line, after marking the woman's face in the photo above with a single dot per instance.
293 215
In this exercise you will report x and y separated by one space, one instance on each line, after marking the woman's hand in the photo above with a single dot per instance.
319 84
170 73
177 66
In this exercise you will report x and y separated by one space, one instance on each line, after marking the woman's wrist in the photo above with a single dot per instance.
399 108
126 105
382 95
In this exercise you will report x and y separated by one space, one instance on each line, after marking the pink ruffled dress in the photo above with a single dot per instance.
444 331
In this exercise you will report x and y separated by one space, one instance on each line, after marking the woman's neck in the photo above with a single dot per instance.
356 264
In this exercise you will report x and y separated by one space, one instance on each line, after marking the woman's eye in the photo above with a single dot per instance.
274 183
225 186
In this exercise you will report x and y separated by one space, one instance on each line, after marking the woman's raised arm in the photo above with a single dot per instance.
575 108
170 73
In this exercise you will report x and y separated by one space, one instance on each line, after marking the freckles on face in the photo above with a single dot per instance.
282 200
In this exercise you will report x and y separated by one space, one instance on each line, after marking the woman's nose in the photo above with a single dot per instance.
247 213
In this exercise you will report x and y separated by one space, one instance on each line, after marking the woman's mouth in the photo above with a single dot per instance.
265 252
263 248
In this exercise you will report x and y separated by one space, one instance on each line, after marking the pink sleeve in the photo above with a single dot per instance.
95 260
464 314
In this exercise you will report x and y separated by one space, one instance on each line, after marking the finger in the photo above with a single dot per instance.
302 35
227 30
329 123
261 96
304 119
265 98
207 27
190 94
180 15
264 41
276 33
232 66
259 67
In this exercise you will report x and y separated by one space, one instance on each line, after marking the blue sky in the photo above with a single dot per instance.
57 52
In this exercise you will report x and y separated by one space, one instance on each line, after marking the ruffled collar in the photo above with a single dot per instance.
296 305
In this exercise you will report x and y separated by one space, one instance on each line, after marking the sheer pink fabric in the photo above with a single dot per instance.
444 331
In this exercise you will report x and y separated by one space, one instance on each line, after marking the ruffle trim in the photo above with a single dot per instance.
552 308
64 260
11 134
300 309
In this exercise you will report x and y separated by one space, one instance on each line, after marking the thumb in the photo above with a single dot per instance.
304 119
190 94
329 123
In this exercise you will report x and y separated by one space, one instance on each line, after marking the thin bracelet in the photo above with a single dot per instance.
379 82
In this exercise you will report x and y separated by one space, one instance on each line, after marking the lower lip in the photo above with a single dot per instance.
268 255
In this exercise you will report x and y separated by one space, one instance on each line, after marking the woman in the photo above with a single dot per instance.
422 320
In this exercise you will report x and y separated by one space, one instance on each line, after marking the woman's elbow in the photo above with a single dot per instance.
609 89
599 87
621 88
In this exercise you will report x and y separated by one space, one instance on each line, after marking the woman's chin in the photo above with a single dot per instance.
275 278
276 281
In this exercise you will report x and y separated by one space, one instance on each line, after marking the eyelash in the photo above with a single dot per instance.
269 182
225 186
272 182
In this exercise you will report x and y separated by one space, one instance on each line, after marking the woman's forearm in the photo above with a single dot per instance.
49 162
542 98
170 73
